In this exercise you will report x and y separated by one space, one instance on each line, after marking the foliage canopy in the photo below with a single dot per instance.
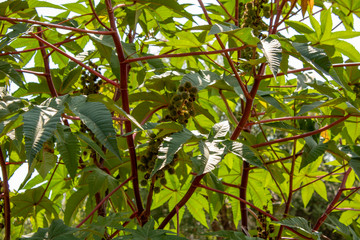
143 119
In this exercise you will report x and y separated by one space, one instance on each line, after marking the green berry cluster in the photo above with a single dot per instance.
251 15
148 162
264 230
181 106
90 82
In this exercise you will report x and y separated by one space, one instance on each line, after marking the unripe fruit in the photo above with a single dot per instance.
187 85
156 189
163 181
143 183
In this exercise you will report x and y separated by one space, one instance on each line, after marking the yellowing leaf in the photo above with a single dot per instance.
305 4
326 136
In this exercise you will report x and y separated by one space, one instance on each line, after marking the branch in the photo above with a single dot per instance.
292 118
183 201
233 68
228 107
55 26
47 185
309 68
102 201
333 202
48 77
174 55
302 135
76 61
31 72
96 16
125 103
5 185
253 206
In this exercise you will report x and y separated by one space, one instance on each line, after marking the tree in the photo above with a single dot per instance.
172 117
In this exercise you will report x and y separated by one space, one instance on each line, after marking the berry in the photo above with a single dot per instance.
187 85
163 181
156 189
171 171
143 183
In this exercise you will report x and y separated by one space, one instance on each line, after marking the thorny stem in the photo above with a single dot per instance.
48 77
330 207
125 103
103 201
5 185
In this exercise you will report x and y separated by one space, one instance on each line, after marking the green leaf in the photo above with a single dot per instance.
201 79
73 204
211 155
39 126
245 152
70 79
312 151
69 148
271 100
30 202
296 222
8 70
170 145
59 231
219 28
300 27
319 60
219 130
309 107
355 165
273 52
98 119
91 144
115 65
231 235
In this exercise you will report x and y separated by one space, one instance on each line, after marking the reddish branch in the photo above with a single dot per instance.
103 201
330 207
302 135
47 185
233 68
174 55
309 68
96 16
6 197
124 67
38 48
253 206
75 60
292 118
51 25
48 77
183 201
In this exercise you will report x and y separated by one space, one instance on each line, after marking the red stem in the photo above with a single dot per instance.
6 197
54 25
183 201
183 54
75 60
333 202
292 118
48 77
253 206
309 68
302 135
103 201
47 186
96 16
125 103
233 68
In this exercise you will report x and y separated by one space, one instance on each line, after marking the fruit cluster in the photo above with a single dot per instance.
264 230
148 162
251 15
90 82
181 106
